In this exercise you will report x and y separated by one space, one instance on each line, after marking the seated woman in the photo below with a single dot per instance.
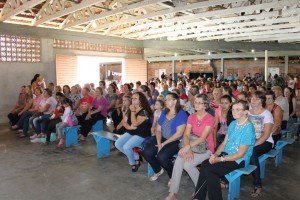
277 114
27 106
116 115
98 110
189 105
24 120
243 96
13 115
262 120
159 150
200 124
137 125
232 154
146 91
82 113
75 98
120 130
216 102
46 108
289 95
67 91
223 116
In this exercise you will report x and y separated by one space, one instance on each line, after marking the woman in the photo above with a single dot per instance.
24 120
277 114
137 125
120 130
67 91
75 98
288 94
262 120
200 124
85 105
13 115
232 154
189 106
111 99
159 150
98 110
216 102
228 91
46 107
223 116
243 96
146 91
28 105
117 113
34 82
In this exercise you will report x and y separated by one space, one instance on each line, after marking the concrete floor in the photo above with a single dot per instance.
32 172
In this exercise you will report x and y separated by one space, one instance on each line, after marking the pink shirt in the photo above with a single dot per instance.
101 102
198 128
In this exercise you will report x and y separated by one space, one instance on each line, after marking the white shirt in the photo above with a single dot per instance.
259 121
284 104
67 113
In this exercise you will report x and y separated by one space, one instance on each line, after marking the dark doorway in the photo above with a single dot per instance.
195 75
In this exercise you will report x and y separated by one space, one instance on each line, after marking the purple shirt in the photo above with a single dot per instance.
100 102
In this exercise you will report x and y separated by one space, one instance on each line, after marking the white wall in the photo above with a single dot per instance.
12 76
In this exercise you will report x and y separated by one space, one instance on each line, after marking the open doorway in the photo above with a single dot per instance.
74 69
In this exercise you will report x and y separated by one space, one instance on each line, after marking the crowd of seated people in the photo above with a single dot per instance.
235 120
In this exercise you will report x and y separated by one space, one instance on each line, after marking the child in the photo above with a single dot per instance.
60 126
159 106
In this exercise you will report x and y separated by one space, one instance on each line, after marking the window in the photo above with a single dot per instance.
19 49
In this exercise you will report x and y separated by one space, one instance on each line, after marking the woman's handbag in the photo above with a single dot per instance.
200 148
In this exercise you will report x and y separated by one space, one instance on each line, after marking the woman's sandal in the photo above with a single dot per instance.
256 192
135 167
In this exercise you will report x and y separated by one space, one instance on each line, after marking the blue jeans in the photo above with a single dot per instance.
24 121
38 123
126 143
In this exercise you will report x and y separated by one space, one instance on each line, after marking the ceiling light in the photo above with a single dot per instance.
252 50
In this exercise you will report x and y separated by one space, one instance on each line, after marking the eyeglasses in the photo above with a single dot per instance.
237 110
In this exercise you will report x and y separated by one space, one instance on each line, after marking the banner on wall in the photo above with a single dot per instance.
274 71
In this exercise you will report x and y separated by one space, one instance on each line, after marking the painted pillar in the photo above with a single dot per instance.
266 65
286 65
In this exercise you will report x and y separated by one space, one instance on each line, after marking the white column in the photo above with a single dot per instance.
48 60
286 65
222 65
266 65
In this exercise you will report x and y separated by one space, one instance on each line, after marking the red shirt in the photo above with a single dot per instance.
235 93
84 101
183 96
